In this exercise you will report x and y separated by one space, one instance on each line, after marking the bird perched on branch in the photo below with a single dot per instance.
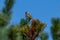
28 16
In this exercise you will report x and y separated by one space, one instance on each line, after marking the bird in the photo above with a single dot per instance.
28 16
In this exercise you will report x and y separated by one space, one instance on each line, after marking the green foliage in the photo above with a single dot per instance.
43 36
3 33
40 26
5 17
12 34
56 28
3 20
8 6
6 12
23 22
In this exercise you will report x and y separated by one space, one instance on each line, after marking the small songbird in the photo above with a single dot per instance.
28 16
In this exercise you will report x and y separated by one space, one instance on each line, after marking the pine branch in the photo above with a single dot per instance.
6 16
43 36
55 29
8 6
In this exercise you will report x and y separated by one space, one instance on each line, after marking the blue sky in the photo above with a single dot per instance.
39 9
